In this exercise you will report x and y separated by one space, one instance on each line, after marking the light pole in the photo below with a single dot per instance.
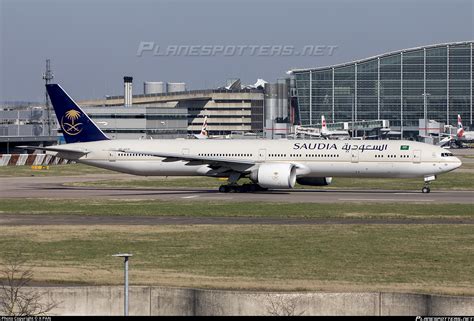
353 112
425 111
125 303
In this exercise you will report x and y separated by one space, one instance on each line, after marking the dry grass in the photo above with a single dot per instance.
422 258
205 208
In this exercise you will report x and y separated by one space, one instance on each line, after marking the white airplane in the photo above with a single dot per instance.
446 141
204 133
459 139
269 164
324 132
463 135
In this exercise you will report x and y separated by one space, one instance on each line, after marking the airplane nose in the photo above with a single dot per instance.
457 163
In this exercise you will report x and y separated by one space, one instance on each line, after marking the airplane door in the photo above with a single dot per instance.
355 156
416 156
112 156
262 154
185 151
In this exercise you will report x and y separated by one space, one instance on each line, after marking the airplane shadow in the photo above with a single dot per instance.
181 191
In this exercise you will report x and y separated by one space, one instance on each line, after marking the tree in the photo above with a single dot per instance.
283 304
16 298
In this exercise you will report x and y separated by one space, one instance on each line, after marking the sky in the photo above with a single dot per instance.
93 44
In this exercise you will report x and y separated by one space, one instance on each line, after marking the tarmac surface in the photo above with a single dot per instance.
52 188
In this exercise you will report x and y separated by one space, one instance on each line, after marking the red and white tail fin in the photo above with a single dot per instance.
204 127
324 128
460 132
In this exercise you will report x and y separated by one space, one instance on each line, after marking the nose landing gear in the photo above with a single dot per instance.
428 180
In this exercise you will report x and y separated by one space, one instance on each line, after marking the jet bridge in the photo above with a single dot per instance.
355 128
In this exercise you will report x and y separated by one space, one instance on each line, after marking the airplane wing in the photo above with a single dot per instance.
236 164
200 136
445 141
65 152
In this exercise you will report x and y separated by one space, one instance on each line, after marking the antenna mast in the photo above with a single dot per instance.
48 76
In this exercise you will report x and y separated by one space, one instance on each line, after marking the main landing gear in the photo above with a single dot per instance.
246 188
428 180
233 187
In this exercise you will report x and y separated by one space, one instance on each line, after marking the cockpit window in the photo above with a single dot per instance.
446 154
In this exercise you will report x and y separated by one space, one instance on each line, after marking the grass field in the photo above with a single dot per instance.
54 170
424 258
117 207
407 258
427 258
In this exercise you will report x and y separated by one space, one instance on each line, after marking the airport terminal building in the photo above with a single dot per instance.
177 114
395 86
393 91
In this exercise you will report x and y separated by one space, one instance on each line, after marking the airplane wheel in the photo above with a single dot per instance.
252 188
223 189
249 188
425 189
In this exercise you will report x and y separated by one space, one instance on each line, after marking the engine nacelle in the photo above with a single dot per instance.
314 181
275 176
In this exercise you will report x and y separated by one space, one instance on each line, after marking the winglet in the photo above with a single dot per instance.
75 124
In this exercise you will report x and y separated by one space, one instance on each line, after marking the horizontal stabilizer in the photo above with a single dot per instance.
76 153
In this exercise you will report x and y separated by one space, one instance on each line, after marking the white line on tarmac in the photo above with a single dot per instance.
217 198
385 199
192 196
407 193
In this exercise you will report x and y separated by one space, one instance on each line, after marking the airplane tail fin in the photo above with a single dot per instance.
460 131
204 127
324 128
75 124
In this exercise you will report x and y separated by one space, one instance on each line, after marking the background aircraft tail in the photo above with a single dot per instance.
75 124
460 131
204 127
324 128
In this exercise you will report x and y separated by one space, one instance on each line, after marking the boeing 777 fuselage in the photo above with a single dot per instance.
270 164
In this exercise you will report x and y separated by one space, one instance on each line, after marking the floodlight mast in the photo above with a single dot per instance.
125 303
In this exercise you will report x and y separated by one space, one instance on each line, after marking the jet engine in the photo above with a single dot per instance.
275 176
314 181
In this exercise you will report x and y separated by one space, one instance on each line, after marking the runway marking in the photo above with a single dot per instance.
401 193
384 199
192 196
217 198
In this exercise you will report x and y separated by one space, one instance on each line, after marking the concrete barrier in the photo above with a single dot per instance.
31 159
108 300
405 304
5 159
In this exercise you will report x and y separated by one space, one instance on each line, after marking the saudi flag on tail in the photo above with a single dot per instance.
404 147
